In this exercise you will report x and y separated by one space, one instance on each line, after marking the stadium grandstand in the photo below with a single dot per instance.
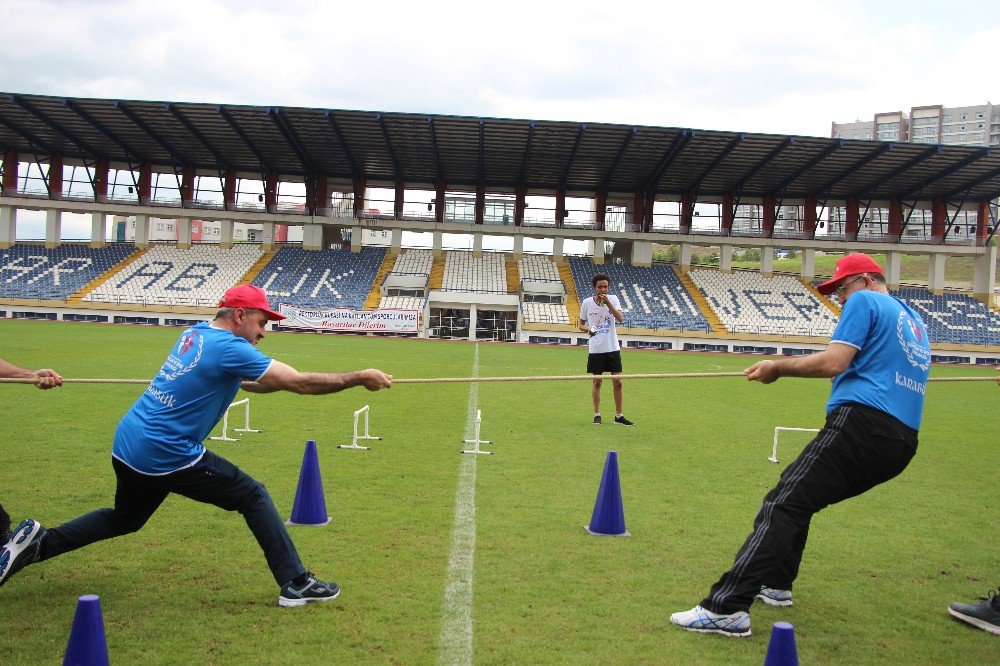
360 211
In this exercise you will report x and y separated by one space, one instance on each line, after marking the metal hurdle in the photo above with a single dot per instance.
225 422
774 450
476 441
354 442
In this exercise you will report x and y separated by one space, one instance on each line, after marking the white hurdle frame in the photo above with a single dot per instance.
225 422
774 450
354 442
476 441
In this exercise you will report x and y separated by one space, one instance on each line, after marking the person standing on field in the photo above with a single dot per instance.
158 446
44 379
880 359
600 315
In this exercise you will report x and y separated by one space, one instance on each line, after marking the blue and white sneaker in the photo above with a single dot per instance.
775 597
313 590
985 615
706 622
21 550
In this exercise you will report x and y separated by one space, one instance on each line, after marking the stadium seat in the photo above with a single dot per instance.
652 297
167 275
330 278
953 318
33 271
749 302
541 268
464 272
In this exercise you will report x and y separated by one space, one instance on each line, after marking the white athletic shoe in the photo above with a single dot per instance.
21 550
775 597
706 622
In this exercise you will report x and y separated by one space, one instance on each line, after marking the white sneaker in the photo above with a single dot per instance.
21 550
775 597
706 622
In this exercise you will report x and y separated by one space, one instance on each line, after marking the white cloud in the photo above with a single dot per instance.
780 67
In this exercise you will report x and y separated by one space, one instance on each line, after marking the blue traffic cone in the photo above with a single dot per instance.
781 650
87 645
609 515
310 505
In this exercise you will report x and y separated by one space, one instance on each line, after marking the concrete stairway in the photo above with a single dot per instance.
375 295
513 275
572 298
437 273
702 303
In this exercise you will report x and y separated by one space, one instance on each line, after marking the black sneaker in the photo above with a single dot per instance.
985 615
597 419
313 590
21 550
621 420
6 536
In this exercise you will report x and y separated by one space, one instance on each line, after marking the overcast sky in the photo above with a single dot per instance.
779 67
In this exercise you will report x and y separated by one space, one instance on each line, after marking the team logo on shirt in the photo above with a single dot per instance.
181 360
187 341
911 334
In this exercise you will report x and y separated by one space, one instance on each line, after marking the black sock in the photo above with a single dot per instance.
300 580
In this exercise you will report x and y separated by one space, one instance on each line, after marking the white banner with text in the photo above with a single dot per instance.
343 319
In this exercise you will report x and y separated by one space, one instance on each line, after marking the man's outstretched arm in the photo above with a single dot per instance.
45 378
283 377
828 363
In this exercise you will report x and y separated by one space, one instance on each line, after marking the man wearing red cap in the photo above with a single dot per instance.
879 358
158 446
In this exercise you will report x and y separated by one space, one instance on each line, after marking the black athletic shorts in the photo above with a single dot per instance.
606 362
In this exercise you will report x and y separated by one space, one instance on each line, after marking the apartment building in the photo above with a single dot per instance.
937 124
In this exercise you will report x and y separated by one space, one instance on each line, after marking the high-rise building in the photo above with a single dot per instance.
934 124
952 126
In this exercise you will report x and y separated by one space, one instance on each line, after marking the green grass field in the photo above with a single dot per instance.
192 586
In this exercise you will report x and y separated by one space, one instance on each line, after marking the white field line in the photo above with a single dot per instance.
455 642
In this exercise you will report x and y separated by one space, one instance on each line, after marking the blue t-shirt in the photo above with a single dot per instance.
890 370
164 429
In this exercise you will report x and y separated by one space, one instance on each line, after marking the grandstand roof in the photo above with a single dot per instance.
500 153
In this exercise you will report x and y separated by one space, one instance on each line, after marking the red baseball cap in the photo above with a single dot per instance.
250 297
850 264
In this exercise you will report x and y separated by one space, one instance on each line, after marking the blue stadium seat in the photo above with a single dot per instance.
651 297
33 271
332 278
953 318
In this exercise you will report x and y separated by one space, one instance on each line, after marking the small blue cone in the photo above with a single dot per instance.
609 515
310 505
87 645
781 650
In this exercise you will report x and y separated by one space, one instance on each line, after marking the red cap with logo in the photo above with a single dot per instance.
851 264
249 297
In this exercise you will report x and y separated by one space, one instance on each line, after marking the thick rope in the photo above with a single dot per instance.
537 378
67 380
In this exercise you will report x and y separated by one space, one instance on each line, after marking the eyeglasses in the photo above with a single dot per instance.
843 288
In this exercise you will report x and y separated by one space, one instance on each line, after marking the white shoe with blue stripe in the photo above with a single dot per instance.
21 550
775 597
706 622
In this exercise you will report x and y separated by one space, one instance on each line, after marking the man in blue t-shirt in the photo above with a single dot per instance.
880 358
158 446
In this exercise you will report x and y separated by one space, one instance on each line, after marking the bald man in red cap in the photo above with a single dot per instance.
158 446
879 358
